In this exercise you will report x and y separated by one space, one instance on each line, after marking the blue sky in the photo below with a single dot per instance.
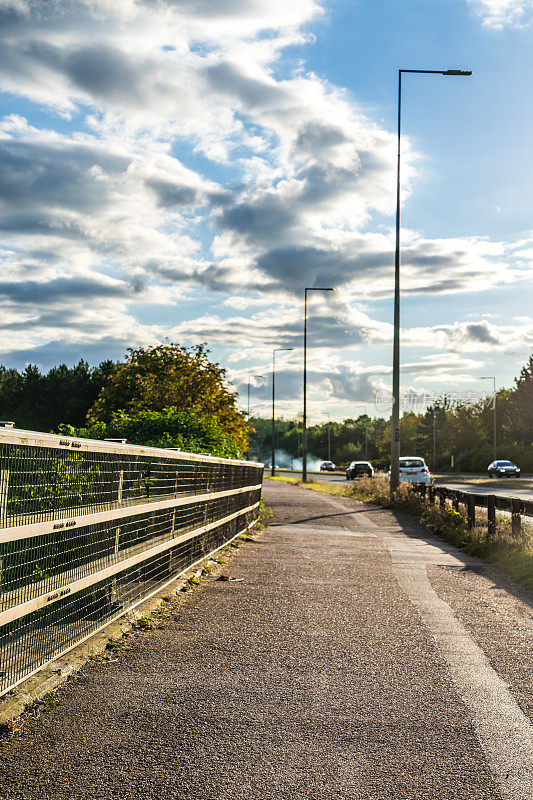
181 171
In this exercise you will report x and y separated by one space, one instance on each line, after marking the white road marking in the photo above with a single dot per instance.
504 731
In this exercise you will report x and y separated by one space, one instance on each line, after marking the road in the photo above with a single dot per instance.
357 658
487 487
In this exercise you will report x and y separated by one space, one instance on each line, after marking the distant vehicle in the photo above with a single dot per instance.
327 466
358 468
269 466
414 470
503 469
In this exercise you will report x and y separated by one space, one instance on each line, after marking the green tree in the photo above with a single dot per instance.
155 378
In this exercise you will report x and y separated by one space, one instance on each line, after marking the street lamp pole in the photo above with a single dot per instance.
493 379
434 438
304 431
273 463
395 420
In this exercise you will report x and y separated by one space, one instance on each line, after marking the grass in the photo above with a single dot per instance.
513 555
497 483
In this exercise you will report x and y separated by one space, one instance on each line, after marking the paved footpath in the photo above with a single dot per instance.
357 659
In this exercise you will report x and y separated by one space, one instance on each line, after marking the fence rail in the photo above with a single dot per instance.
88 529
515 506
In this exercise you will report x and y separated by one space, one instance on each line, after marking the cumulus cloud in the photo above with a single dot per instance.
115 203
499 13
474 337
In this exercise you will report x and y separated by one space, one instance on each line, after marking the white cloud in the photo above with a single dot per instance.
500 13
103 213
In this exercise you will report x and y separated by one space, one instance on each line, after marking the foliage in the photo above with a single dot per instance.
464 431
186 430
41 402
171 376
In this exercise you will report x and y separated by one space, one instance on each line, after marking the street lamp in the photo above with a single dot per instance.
249 383
277 350
395 421
304 432
434 437
493 379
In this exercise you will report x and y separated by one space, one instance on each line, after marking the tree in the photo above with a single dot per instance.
156 378
520 402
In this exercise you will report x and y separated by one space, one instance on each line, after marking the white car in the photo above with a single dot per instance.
414 470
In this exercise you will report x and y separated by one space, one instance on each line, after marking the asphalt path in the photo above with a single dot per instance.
486 487
357 658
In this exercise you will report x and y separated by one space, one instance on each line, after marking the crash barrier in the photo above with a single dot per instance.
89 529
516 507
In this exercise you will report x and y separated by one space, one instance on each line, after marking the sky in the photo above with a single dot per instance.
180 170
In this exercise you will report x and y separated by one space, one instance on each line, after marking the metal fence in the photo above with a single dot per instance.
88 529
470 501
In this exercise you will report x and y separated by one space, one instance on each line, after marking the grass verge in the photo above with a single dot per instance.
513 555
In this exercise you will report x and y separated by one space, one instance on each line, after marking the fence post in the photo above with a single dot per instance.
113 593
471 506
516 520
491 514
4 489
442 498
431 494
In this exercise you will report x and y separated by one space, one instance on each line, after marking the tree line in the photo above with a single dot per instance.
164 396
173 396
461 432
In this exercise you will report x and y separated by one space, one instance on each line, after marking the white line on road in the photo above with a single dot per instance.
504 731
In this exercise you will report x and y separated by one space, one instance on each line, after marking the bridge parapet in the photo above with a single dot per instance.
89 529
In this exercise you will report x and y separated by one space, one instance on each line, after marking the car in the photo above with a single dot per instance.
413 469
503 469
327 466
358 468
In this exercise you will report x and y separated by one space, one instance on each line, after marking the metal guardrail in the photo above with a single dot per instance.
515 506
88 529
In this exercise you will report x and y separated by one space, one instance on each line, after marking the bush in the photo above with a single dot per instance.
186 430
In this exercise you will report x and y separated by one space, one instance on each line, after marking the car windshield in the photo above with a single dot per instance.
411 463
504 464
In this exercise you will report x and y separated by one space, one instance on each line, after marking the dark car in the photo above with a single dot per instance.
503 469
358 468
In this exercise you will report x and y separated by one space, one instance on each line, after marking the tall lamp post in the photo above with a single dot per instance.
304 431
493 379
434 438
395 421
273 463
